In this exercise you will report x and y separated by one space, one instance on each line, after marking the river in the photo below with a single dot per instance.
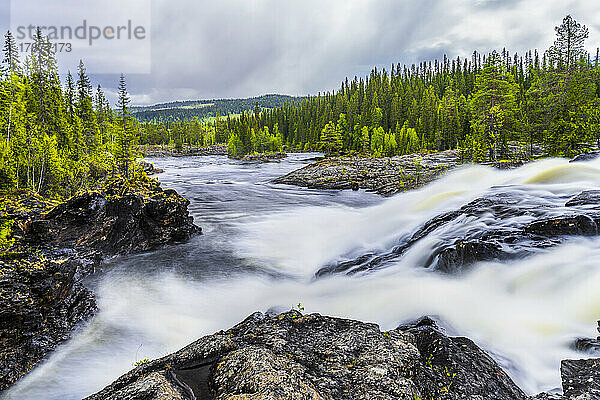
262 244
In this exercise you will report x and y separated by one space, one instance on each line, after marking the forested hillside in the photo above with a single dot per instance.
57 140
481 105
187 110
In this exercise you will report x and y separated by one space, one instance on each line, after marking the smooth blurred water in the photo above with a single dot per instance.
262 244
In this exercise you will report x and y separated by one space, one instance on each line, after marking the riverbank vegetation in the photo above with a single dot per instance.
58 138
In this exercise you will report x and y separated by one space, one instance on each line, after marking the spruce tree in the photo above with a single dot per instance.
10 64
125 152
568 49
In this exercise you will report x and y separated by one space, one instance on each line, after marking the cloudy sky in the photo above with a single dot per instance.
203 49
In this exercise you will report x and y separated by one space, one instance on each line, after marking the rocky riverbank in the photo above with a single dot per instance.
170 151
389 175
386 176
295 356
52 247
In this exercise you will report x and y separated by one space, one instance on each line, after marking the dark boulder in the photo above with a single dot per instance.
577 225
41 301
451 366
121 224
500 226
588 197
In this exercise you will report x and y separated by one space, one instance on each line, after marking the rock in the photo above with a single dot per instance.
585 345
119 220
588 197
42 298
41 301
500 226
148 168
294 356
586 157
581 379
385 176
579 225
548 396
455 365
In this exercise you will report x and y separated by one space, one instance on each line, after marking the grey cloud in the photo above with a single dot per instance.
239 48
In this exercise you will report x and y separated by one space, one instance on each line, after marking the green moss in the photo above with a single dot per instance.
5 233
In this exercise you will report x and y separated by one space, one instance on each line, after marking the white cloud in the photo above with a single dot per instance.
238 48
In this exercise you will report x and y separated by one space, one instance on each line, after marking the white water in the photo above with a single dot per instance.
265 254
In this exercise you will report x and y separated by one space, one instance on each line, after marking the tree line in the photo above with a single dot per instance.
58 139
491 107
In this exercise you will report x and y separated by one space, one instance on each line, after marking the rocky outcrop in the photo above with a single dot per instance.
581 379
41 301
513 225
53 247
149 169
117 220
386 176
295 356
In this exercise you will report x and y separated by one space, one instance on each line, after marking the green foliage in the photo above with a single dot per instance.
141 362
5 231
331 139
55 141
491 107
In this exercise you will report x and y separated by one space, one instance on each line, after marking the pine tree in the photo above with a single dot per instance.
125 144
10 64
568 48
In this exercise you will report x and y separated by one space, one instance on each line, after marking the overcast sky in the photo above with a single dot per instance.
240 48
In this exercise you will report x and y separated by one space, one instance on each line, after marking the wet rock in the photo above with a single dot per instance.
454 258
294 356
118 221
42 298
500 226
585 345
385 176
455 365
41 301
581 379
548 396
579 225
586 157
588 197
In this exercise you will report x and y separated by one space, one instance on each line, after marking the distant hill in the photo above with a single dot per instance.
202 109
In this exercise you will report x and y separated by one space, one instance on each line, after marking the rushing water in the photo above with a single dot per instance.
262 244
